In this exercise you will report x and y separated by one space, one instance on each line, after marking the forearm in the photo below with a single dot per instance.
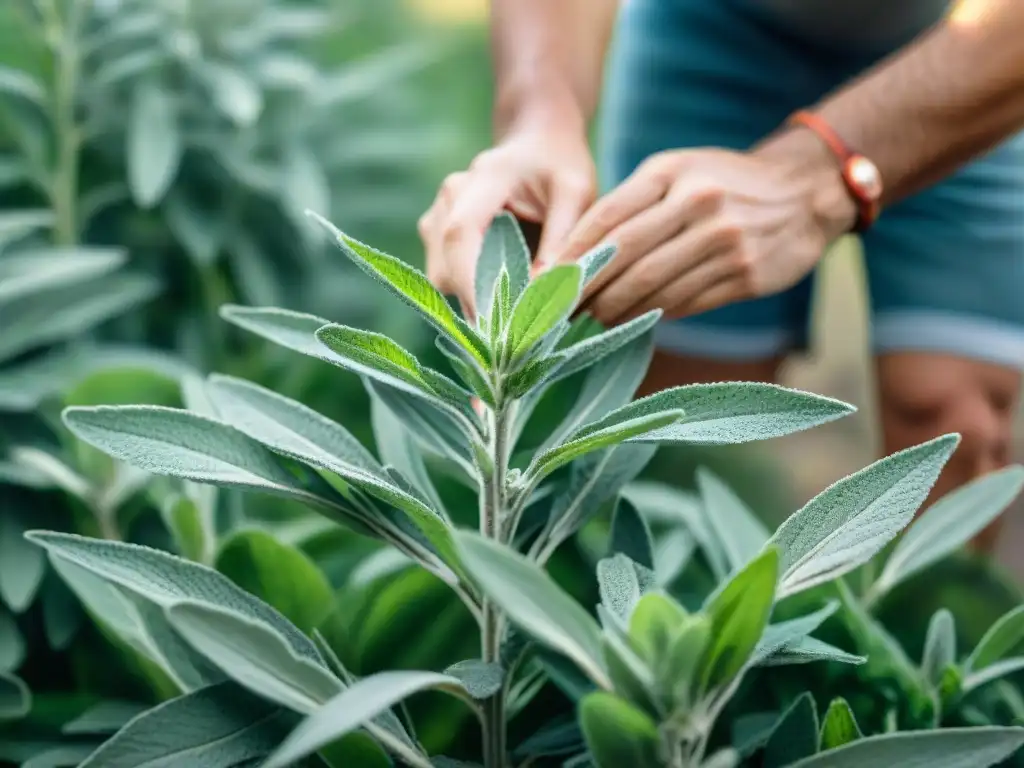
939 103
548 59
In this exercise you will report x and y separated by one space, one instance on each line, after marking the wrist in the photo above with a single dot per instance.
536 107
805 160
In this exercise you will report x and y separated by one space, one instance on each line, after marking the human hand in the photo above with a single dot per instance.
697 229
542 173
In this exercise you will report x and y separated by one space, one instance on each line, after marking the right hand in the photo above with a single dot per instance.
542 174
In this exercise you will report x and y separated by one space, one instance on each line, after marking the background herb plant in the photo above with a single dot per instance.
653 674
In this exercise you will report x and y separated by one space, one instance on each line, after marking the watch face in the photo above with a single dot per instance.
864 175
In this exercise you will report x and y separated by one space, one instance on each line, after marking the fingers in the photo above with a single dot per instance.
454 227
632 197
568 200
646 281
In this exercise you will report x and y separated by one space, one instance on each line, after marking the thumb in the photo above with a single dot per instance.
568 204
464 231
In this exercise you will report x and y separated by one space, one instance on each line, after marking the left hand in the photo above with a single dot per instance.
697 229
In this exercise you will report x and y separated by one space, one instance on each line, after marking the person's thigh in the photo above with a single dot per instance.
693 73
946 274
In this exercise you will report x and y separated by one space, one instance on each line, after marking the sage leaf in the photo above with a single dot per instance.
105 717
810 649
777 637
397 448
950 523
1004 636
177 443
608 385
617 733
163 579
721 414
631 536
222 724
533 601
850 521
547 300
408 284
15 697
587 352
795 735
352 709
741 533
154 145
503 246
994 671
22 565
585 441
939 646
281 575
263 411
481 679
253 655
595 260
739 612
839 726
295 431
975 747
619 585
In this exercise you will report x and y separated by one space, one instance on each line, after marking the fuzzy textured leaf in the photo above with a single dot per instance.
503 246
950 523
978 747
154 145
547 300
850 521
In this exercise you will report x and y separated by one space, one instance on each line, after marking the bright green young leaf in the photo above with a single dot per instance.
154 145
631 677
164 579
587 440
739 613
740 531
631 535
687 649
617 733
1002 638
950 523
721 414
372 354
795 735
850 521
547 300
15 697
939 646
222 724
279 574
408 284
354 708
533 601
653 626
840 726
778 637
503 246
253 655
946 748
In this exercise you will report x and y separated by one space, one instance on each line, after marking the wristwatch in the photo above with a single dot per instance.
861 176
